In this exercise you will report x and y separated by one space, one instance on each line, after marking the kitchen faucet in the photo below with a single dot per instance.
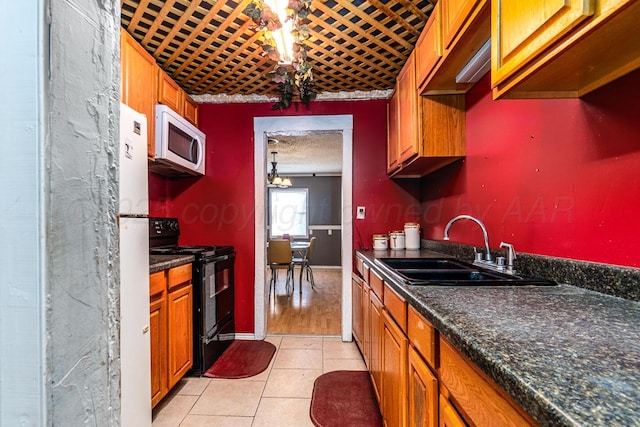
487 257
511 256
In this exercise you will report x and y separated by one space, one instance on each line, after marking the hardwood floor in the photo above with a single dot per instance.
314 312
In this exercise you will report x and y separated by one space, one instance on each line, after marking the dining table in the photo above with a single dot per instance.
300 246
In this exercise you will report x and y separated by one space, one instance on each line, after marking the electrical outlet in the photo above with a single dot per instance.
360 212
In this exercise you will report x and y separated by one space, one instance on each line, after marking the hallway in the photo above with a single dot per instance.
312 312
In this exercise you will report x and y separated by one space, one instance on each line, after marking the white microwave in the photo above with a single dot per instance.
180 146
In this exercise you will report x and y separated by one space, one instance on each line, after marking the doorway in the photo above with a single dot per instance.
308 209
264 126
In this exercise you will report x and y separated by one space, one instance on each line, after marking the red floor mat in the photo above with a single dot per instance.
344 399
242 359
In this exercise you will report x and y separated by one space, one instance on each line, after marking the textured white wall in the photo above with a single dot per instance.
58 188
81 231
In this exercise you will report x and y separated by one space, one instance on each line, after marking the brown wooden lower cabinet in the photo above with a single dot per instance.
158 335
394 373
180 333
375 341
171 328
423 392
419 378
476 396
356 311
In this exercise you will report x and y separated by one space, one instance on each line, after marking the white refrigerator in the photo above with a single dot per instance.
133 223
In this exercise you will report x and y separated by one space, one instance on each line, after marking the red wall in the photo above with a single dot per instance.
219 207
552 177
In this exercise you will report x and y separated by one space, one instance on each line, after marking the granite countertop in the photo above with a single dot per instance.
569 356
162 262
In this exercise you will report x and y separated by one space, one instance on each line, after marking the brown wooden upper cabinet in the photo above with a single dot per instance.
393 121
454 33
172 95
139 83
190 109
169 93
403 118
561 48
429 46
144 84
441 139
409 123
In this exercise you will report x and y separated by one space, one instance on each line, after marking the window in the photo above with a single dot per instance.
288 212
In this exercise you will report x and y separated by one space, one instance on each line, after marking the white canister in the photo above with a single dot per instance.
396 240
379 242
412 235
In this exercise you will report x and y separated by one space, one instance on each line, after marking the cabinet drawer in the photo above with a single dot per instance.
483 402
365 272
422 336
360 267
157 283
179 275
376 283
396 306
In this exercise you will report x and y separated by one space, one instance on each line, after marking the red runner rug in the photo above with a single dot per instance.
344 399
242 359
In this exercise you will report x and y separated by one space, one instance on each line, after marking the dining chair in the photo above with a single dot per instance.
303 262
279 258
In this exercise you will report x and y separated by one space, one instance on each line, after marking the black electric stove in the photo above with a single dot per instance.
213 290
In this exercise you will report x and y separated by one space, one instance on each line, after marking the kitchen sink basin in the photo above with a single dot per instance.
423 263
452 272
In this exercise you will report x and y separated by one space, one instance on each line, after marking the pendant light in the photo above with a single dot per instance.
275 180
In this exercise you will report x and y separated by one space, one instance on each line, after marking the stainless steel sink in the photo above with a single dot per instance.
423 263
451 272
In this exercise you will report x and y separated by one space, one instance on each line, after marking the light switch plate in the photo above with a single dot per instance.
360 212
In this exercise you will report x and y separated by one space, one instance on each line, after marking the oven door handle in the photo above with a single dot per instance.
219 258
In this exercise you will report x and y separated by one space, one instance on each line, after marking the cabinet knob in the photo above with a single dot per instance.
145 329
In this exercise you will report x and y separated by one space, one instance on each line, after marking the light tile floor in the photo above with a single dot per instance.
278 397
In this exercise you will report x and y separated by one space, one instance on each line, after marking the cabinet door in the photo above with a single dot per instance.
394 374
454 14
522 30
393 121
139 83
409 127
356 311
180 333
375 337
190 109
423 393
158 336
448 415
366 324
169 93
429 46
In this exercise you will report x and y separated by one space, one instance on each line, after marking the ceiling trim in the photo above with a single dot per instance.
358 95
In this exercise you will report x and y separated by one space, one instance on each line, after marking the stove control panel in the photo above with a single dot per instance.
163 227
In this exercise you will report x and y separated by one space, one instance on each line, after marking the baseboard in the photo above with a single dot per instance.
246 336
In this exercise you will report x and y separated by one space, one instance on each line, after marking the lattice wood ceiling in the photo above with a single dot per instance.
207 46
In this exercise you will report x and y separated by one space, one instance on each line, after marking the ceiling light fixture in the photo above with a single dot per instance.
275 180
286 45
